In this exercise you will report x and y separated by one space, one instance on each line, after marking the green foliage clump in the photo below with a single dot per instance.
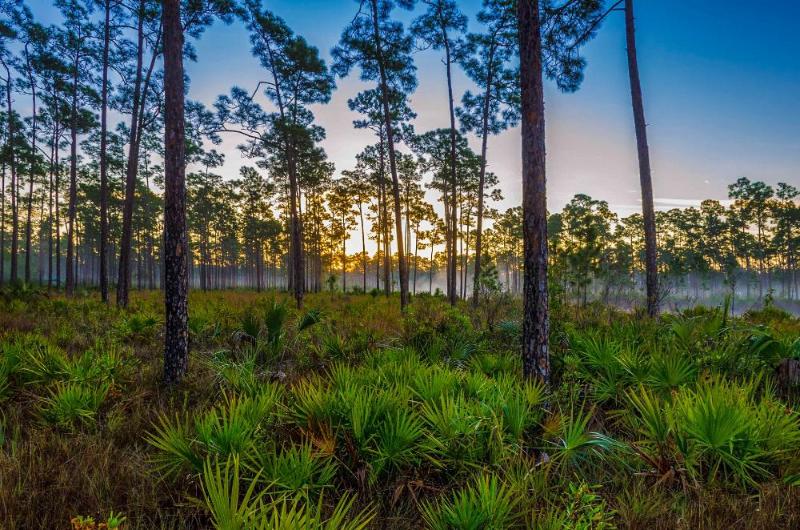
292 419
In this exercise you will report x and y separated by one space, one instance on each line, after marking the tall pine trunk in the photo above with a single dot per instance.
344 258
32 170
363 242
387 116
430 272
416 254
297 260
648 212
535 324
452 295
12 162
103 162
56 207
383 222
131 170
176 339
3 225
73 180
482 179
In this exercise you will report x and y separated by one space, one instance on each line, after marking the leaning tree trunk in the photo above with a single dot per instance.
535 325
651 265
398 214
176 339
131 171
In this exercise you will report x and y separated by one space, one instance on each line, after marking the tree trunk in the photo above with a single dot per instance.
648 212
53 148
73 181
176 340
452 295
384 225
297 265
32 170
363 242
430 272
3 226
402 265
103 161
58 215
416 254
344 259
41 240
535 326
132 168
296 236
482 180
13 166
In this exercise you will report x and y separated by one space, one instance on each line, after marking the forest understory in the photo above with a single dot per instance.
252 278
351 414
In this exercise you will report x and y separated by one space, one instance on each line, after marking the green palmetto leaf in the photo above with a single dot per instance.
651 419
669 371
430 384
232 427
40 362
175 441
294 514
229 509
721 423
309 318
314 403
295 470
575 442
396 442
69 404
486 503
274 320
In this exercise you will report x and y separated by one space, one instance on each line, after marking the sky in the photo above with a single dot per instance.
721 82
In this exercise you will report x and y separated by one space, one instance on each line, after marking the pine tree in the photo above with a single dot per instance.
440 27
382 50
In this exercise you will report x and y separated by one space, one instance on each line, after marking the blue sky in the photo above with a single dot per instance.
721 81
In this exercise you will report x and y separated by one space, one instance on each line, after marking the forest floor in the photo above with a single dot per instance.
349 414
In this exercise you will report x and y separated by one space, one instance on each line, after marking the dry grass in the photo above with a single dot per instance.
49 475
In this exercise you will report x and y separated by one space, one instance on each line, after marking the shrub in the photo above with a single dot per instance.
71 404
486 503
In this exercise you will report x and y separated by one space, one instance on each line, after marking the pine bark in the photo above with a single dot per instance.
32 170
73 181
643 151
103 158
3 226
176 340
482 176
536 324
384 88
452 295
132 167
12 162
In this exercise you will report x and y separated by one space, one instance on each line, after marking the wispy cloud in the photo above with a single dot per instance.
664 202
